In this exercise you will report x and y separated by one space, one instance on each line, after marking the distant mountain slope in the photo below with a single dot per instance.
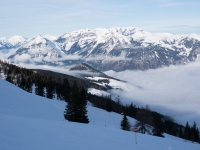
84 75
87 68
13 42
109 49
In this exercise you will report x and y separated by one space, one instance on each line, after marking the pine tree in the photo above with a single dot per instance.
125 125
193 132
28 85
109 104
65 90
197 136
58 91
144 120
186 133
180 132
132 111
8 75
75 110
50 89
158 126
22 82
39 87
82 107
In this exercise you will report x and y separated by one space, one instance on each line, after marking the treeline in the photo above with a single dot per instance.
45 86
33 82
67 89
191 133
148 121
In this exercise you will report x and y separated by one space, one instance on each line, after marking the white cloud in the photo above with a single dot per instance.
22 58
69 57
171 91
122 56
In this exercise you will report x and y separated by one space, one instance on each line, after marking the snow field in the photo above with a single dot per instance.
30 122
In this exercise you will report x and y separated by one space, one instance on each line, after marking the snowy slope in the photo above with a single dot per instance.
40 50
13 42
32 122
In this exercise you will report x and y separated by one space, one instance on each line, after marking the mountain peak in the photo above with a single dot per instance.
50 37
15 40
194 36
36 40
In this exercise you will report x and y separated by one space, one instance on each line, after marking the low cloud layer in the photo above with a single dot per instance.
122 56
172 91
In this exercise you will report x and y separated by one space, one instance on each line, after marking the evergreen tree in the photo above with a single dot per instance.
180 132
50 89
109 105
39 87
28 85
76 106
65 89
9 78
193 132
22 82
82 107
8 75
187 132
58 91
125 125
144 120
197 136
132 111
69 109
158 126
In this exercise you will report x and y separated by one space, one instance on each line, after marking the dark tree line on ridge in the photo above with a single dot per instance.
76 95
48 87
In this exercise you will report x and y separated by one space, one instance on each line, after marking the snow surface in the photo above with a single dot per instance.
98 92
113 83
15 40
31 122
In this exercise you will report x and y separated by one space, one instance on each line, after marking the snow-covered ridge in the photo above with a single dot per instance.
98 33
104 48
14 40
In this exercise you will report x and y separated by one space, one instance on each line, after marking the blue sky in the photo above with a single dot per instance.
39 17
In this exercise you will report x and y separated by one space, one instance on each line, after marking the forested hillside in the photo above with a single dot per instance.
64 87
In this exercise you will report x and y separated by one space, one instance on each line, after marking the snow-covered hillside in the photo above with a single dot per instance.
172 91
117 48
13 42
33 122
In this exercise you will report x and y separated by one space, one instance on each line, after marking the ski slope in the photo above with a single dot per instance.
30 122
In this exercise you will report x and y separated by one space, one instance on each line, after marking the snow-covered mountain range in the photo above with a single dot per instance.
105 49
